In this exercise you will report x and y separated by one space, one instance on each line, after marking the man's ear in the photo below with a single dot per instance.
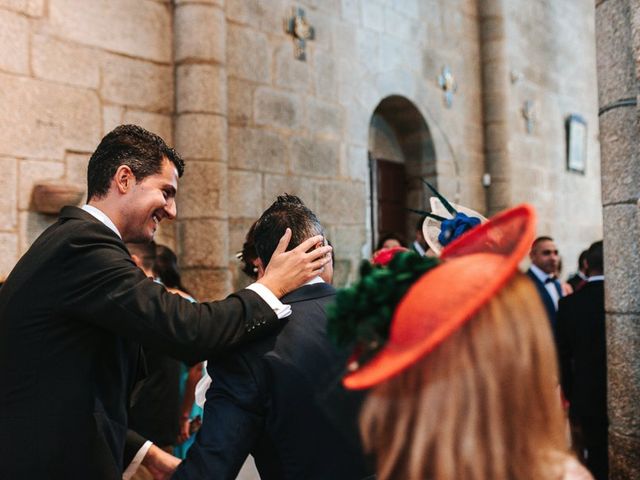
124 179
260 266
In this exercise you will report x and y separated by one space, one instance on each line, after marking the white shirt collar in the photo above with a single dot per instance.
100 215
596 278
539 273
418 248
314 280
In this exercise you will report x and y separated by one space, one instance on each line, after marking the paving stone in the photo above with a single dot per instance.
138 29
257 149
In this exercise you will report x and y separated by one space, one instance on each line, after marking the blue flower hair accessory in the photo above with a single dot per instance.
446 221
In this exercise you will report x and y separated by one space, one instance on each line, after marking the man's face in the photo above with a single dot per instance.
545 256
148 202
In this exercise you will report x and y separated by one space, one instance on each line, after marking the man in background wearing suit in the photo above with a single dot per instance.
75 309
583 363
544 264
267 399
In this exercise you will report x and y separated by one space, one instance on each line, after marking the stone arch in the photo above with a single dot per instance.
401 150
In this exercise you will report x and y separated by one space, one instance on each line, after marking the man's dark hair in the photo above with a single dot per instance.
249 254
595 258
286 211
543 238
129 145
581 259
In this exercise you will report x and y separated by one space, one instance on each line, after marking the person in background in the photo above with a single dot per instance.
189 417
544 267
419 245
579 279
463 380
582 352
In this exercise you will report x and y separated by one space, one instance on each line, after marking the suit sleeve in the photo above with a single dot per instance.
564 347
233 420
106 288
133 444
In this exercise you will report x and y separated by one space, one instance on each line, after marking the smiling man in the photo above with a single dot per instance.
76 308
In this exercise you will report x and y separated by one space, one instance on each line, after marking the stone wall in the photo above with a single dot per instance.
618 42
71 70
303 127
551 61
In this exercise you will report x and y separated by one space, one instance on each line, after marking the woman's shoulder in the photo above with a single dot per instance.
574 470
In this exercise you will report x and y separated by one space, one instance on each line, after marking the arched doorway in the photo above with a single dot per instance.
401 154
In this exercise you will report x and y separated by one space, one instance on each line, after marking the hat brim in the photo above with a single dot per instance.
431 227
474 268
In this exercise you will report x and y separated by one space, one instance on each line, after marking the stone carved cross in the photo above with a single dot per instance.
529 114
448 83
297 26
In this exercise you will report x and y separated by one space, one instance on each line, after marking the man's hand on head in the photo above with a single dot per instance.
289 270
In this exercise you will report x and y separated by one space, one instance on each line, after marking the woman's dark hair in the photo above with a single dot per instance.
389 236
165 267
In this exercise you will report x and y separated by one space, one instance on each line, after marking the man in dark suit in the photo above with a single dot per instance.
268 398
544 265
75 309
583 362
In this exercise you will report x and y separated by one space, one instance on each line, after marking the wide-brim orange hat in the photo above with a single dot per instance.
474 268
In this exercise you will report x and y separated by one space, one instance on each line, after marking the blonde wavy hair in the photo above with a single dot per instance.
483 406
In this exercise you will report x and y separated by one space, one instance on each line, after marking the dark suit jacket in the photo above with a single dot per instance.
582 350
546 298
267 400
72 315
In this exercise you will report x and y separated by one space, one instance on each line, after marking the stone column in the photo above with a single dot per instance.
495 104
618 57
201 137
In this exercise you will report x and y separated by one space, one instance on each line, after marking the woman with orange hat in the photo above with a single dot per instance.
460 361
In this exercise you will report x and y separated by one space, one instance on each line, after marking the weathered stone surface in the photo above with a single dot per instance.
257 149
209 44
616 66
240 98
249 55
275 185
325 76
621 258
238 228
32 224
76 168
32 171
137 83
351 10
623 371
357 163
166 234
64 62
347 240
219 3
201 136
201 88
207 283
112 116
326 119
277 108
138 29
373 17
620 156
14 43
624 456
158 123
341 202
291 73
202 190
245 194
32 8
311 156
342 273
8 253
9 197
258 13
204 243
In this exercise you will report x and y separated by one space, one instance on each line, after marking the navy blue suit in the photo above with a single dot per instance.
269 399
546 298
